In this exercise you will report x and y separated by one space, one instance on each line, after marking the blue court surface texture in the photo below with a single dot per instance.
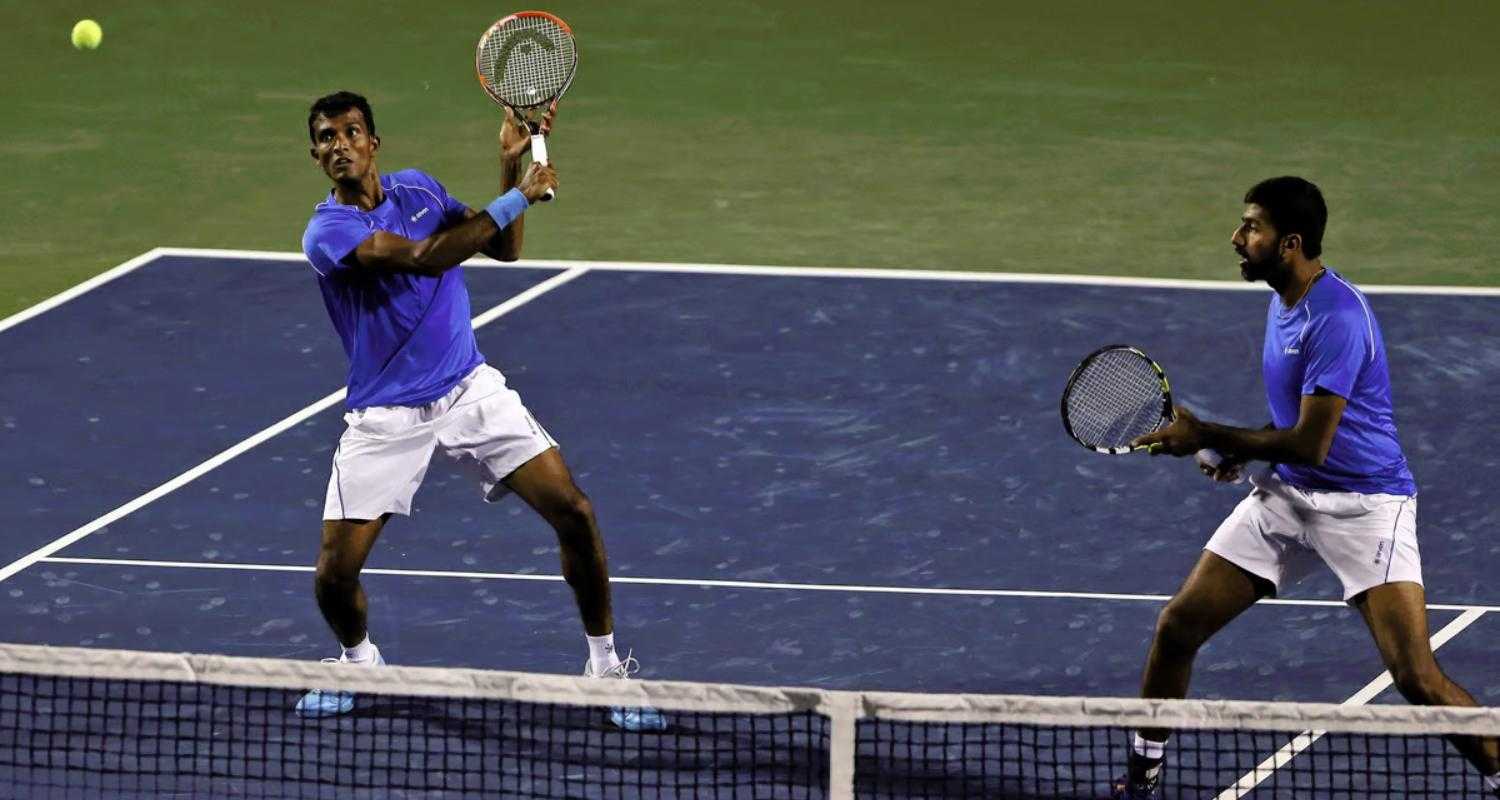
836 478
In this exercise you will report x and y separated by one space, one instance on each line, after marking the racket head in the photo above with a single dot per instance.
526 60
1117 393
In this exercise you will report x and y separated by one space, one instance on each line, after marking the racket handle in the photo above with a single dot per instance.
539 155
1211 458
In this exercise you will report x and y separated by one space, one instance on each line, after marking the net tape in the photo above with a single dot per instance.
693 696
920 725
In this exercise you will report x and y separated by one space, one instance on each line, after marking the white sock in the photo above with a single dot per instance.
1151 751
363 653
1148 749
602 653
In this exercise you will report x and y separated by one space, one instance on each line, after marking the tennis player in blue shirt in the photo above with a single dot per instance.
386 250
1338 488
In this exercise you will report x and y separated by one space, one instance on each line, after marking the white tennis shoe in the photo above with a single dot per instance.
328 702
644 718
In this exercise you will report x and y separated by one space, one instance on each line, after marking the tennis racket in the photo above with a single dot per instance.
1116 395
526 62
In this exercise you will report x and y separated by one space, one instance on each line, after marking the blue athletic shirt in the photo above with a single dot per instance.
1330 340
409 338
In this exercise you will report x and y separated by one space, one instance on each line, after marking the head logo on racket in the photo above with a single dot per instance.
1116 395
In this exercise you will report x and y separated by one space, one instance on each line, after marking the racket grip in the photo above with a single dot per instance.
1211 458
539 155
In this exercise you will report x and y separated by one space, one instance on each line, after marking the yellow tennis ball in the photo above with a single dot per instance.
87 34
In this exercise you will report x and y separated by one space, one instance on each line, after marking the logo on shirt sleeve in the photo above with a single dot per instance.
419 214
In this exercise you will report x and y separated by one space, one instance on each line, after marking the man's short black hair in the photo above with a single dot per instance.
337 103
1295 206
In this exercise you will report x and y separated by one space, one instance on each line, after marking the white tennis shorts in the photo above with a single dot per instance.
1280 532
383 454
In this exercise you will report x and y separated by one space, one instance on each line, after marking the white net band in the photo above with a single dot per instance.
708 697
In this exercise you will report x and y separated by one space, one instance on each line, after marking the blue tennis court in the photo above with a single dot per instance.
826 478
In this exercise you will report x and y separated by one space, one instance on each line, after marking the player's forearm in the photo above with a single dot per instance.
505 245
1233 456
450 247
510 173
1278 445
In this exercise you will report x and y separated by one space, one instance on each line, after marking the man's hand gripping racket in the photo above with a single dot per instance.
1118 401
525 62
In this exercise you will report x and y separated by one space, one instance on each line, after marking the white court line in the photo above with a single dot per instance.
70 293
227 455
735 269
714 583
1304 740
858 272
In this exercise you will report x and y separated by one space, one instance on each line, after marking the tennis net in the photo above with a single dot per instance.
84 723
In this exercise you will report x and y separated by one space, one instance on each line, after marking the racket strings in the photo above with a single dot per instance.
1114 399
520 69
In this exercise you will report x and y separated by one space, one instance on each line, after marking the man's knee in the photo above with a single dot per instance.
1421 682
571 513
335 570
342 552
1179 630
331 577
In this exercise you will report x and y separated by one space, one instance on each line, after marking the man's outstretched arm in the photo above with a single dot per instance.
1306 442
449 247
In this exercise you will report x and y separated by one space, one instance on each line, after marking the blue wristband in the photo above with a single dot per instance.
505 208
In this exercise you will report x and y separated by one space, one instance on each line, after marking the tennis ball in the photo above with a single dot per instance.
87 34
